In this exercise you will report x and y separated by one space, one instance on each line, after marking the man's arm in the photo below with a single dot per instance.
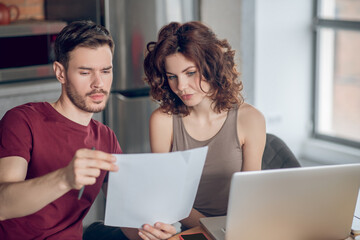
20 197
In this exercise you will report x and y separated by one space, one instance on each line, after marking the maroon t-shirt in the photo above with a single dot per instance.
48 141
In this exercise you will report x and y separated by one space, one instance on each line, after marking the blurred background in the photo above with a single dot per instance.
299 63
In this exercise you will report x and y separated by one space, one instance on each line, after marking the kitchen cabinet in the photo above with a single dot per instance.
47 90
14 94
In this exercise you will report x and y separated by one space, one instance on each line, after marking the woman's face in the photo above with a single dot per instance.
184 79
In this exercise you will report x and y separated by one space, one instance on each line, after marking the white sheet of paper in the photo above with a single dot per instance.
153 187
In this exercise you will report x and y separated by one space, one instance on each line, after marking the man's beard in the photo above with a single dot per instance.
80 102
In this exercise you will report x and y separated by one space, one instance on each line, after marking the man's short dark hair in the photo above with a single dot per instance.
80 34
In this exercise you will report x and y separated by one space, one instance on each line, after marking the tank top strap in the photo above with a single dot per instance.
229 127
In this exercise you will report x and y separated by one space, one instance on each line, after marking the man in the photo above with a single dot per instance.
46 153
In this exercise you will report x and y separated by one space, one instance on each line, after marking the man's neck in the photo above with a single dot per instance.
73 113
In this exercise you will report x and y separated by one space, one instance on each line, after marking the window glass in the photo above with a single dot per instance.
337 71
340 9
339 84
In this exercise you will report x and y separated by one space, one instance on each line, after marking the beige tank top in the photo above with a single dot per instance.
224 157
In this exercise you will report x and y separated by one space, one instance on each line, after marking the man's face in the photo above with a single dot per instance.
88 78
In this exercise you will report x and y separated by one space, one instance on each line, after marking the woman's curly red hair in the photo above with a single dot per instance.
213 58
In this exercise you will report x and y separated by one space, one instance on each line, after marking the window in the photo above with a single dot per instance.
337 71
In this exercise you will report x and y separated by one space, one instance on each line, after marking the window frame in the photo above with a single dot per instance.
334 24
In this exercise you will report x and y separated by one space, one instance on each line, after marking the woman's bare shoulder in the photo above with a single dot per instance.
250 119
161 121
251 126
159 115
160 131
247 112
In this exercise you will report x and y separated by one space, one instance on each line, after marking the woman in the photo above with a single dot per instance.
192 75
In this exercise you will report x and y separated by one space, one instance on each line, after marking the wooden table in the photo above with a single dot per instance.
200 229
191 230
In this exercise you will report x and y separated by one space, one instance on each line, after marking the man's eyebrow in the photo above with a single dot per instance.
89 68
85 68
107 68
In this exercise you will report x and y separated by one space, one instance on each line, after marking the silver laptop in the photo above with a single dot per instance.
308 203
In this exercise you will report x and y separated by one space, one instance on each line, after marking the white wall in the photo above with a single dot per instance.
273 39
274 43
225 19
283 67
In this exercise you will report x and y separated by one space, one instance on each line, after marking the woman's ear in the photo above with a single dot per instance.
59 70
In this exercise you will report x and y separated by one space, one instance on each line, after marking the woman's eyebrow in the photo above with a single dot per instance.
187 68
182 70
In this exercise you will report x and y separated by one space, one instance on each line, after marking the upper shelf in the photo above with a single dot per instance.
31 27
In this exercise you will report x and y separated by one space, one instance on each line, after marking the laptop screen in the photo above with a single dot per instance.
304 203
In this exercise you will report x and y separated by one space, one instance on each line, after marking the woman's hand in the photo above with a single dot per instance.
157 232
